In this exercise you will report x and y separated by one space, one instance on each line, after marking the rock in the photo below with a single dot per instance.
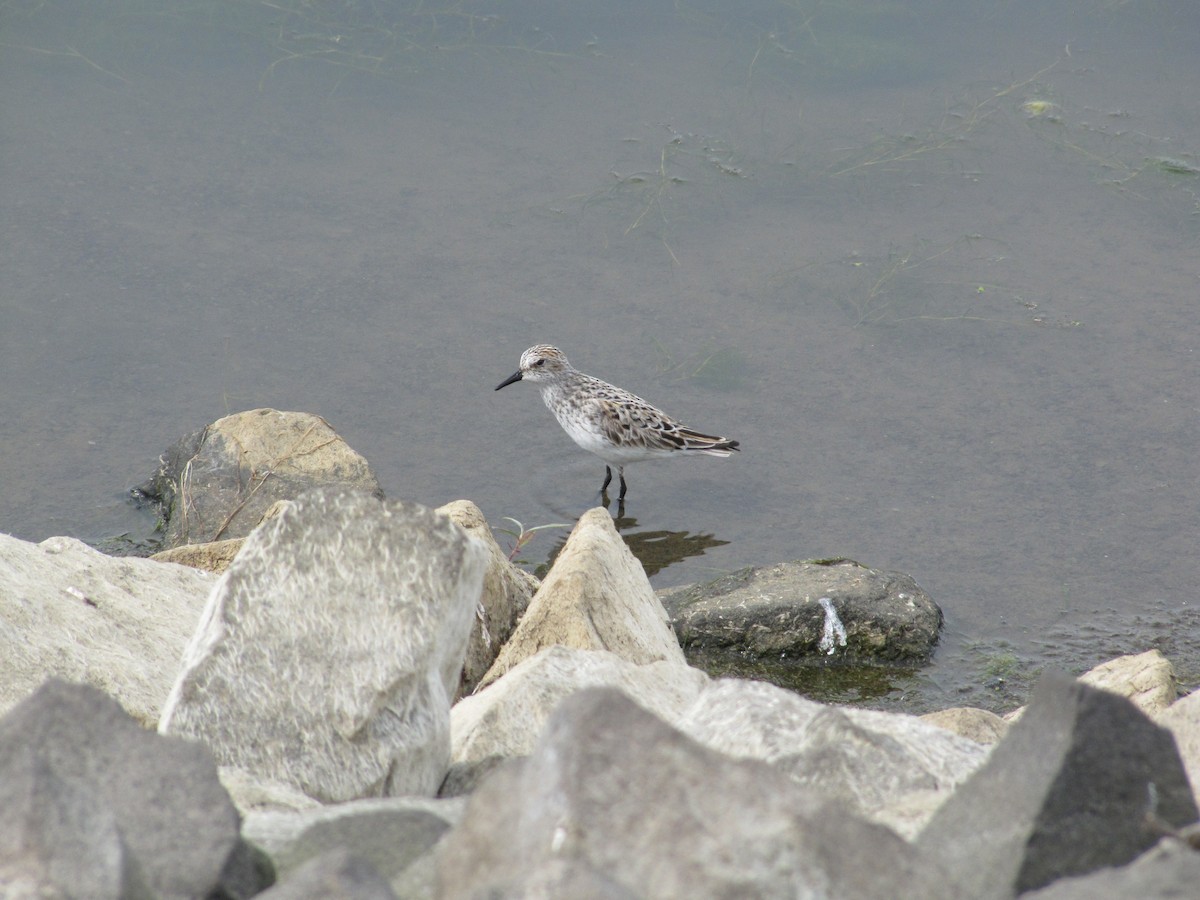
1147 679
390 834
329 650
336 875
507 590
58 839
217 483
557 878
1064 793
977 725
616 800
151 805
827 611
595 597
119 624
463 777
888 767
1169 870
1182 719
214 556
250 793
505 719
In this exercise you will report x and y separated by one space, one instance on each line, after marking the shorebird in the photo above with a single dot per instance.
617 426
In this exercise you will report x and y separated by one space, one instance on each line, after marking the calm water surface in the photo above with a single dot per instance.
936 265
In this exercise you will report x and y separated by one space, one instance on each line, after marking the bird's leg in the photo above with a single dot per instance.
621 472
607 479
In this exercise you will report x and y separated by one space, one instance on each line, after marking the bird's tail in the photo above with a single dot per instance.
707 443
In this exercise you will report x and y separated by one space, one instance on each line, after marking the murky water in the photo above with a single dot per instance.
936 268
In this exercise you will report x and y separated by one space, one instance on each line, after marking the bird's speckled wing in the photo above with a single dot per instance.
630 422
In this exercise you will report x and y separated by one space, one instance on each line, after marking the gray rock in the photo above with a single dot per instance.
505 719
595 597
1064 793
330 649
72 612
507 590
557 878
58 838
163 794
875 763
390 834
837 611
336 875
611 789
217 484
1170 871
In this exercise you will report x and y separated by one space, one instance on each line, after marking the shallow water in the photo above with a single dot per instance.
925 262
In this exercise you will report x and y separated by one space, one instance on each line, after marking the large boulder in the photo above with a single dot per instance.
1064 793
118 624
595 597
218 483
96 806
615 802
330 649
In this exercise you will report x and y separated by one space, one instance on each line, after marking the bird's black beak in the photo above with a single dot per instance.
516 376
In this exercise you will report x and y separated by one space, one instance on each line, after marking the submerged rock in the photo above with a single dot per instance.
835 611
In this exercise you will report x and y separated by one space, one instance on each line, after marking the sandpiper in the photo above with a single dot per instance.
616 425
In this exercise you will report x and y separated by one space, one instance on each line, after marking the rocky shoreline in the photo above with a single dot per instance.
370 701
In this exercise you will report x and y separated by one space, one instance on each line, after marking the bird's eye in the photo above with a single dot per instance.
540 362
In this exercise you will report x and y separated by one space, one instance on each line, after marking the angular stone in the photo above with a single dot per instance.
1064 793
595 597
874 763
330 649
611 791
506 718
120 625
163 794
833 610
507 590
218 483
